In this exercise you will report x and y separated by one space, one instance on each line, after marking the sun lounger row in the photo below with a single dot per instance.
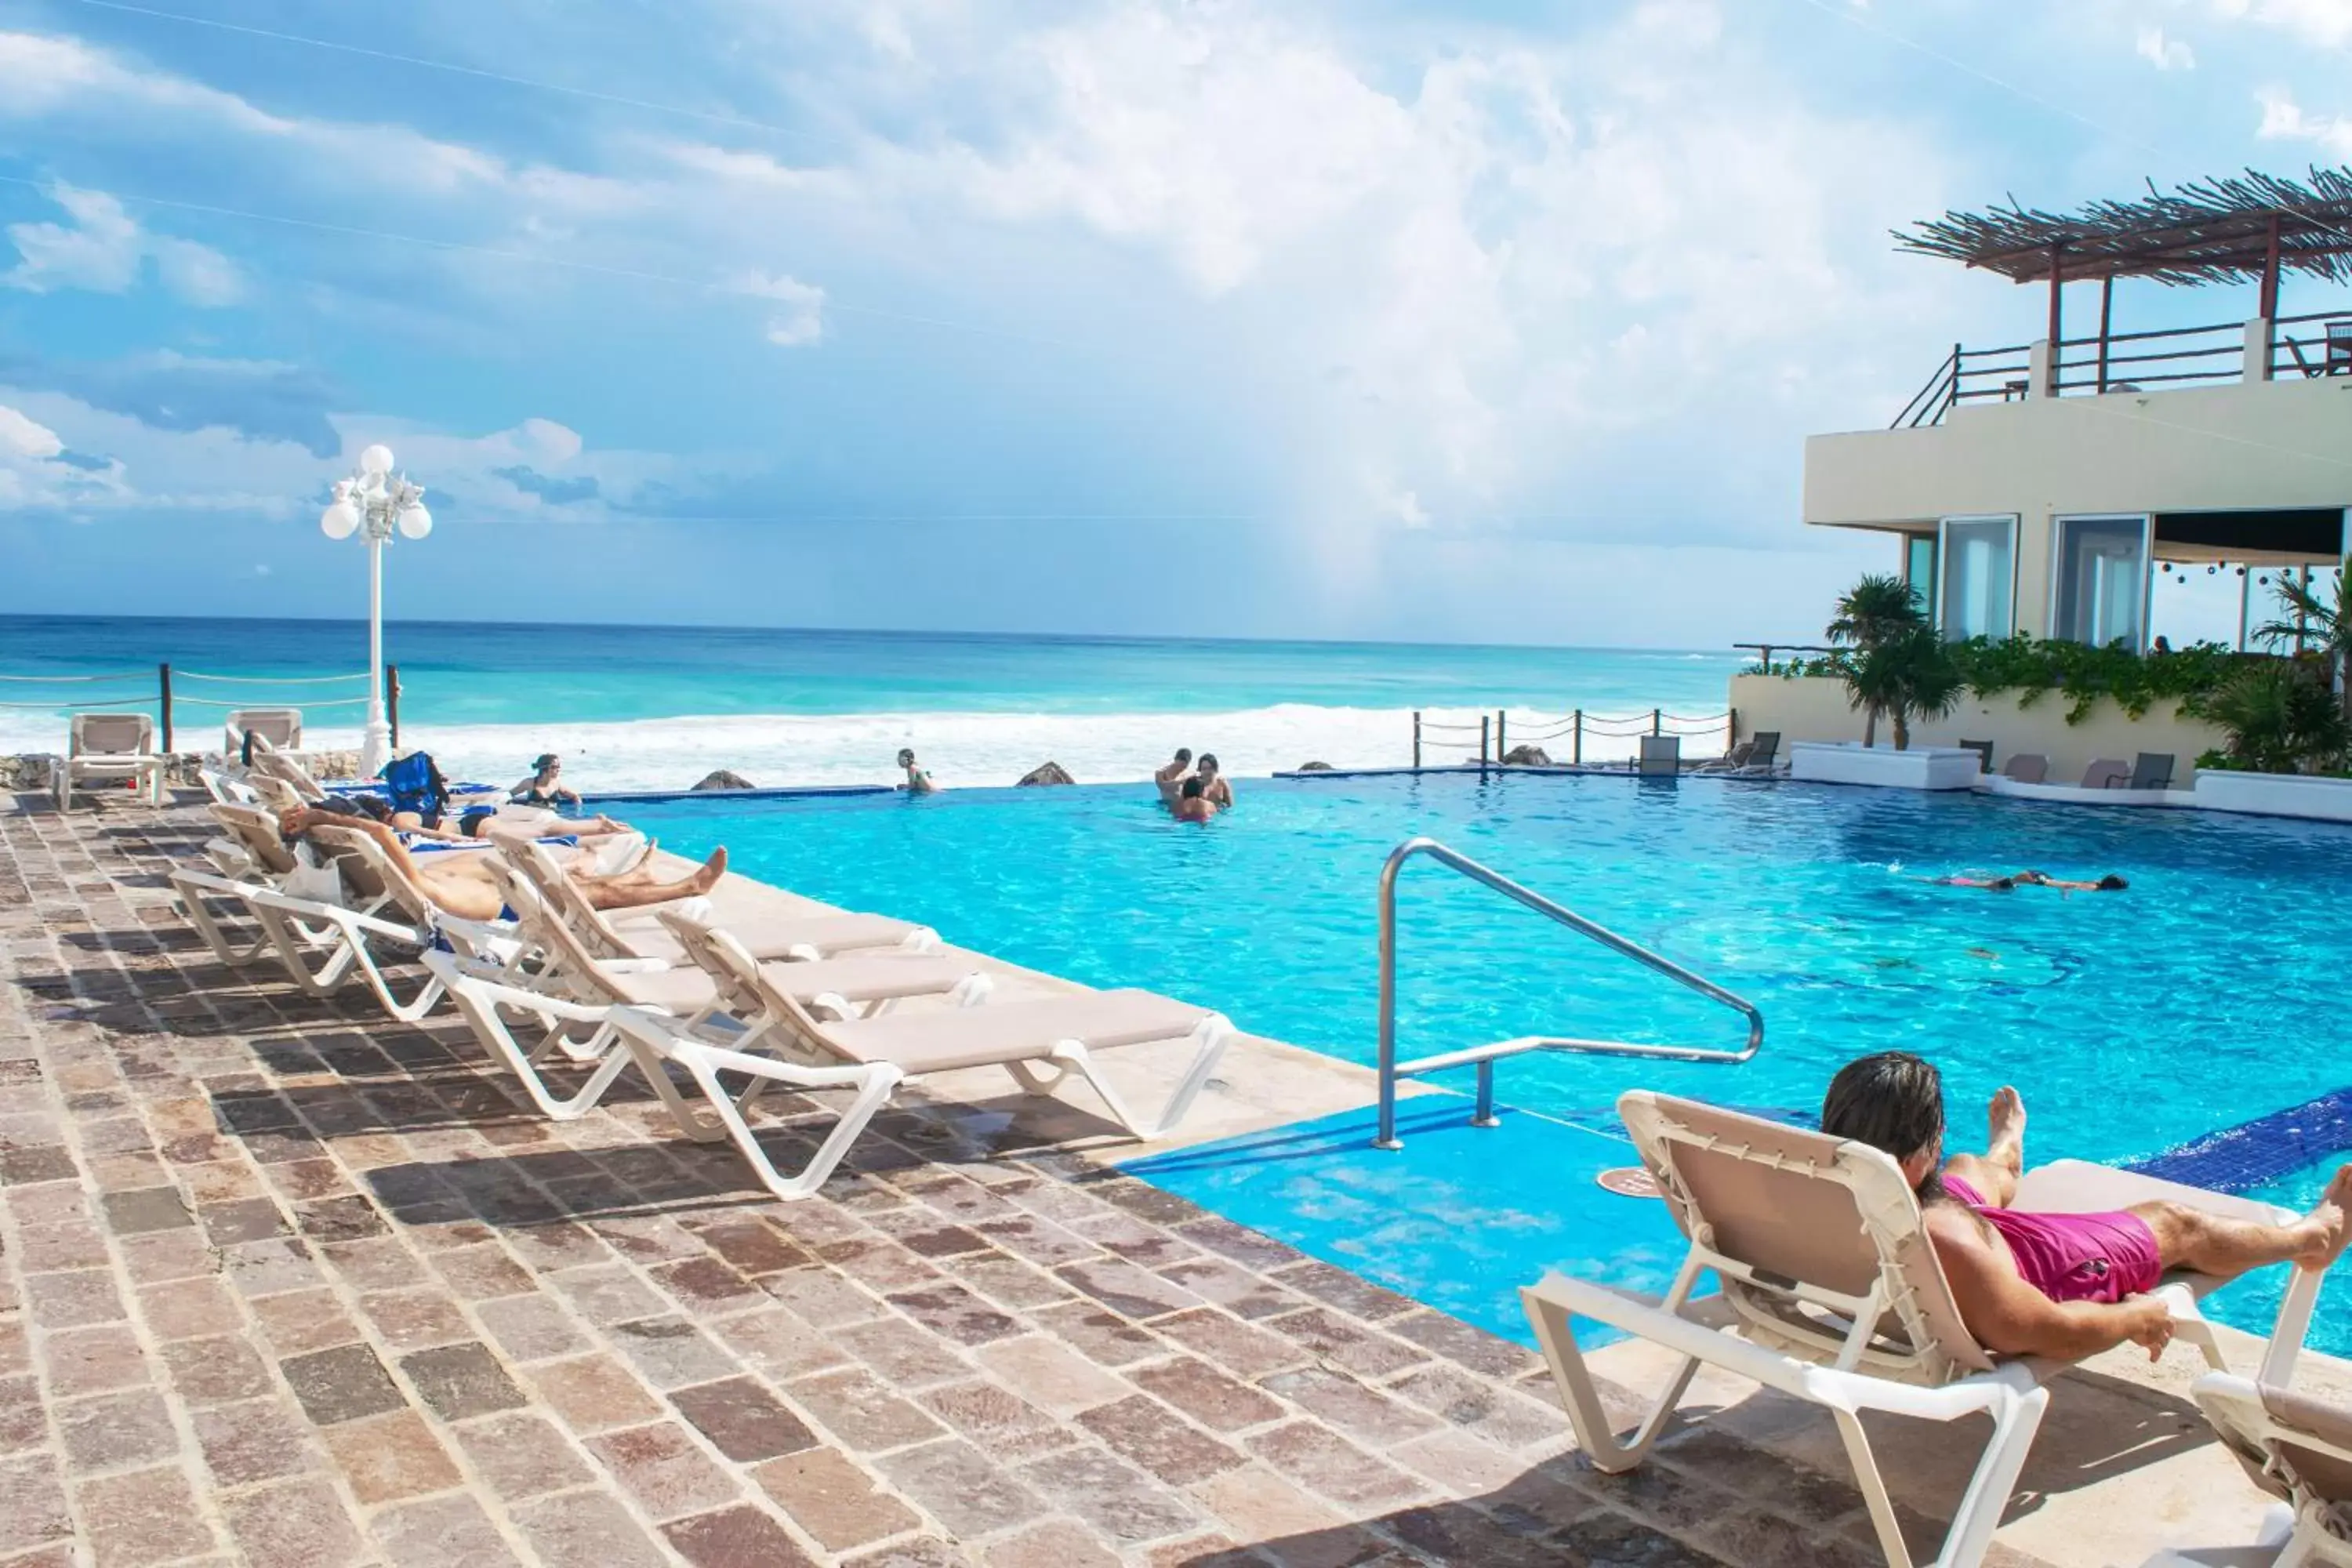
801 1002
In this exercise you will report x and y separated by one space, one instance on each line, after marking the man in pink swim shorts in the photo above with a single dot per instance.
2061 1285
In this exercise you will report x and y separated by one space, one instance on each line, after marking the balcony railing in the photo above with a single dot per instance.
2318 344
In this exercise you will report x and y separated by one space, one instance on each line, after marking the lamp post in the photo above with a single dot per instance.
372 503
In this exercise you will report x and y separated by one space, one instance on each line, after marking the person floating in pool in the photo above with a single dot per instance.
1171 779
918 781
1192 802
2110 883
2060 1285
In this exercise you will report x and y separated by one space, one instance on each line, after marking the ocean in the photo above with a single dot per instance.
634 708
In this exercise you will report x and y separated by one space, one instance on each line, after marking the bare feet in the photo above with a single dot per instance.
2005 1135
702 881
2328 1221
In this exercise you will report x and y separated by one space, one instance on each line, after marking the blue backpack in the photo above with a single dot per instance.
416 784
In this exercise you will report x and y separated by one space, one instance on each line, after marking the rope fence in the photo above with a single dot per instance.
270 693
1492 737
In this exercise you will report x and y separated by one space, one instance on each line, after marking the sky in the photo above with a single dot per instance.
1490 321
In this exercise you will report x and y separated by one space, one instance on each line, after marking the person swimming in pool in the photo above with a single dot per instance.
1192 803
545 787
918 781
2060 1285
1215 788
2110 883
1171 779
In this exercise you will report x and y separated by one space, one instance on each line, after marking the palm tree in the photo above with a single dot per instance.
2279 719
2321 625
1912 676
1877 611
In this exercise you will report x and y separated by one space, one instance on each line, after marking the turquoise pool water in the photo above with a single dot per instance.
2204 997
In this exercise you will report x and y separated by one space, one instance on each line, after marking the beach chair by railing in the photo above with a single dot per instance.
113 747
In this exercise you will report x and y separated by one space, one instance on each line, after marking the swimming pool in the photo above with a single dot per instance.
2204 997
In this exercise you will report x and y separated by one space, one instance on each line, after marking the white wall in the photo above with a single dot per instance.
1815 709
2281 444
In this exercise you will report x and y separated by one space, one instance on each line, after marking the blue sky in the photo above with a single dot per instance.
1500 321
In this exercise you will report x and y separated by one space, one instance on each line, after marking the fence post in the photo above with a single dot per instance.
1416 739
1657 720
163 703
1576 754
1484 723
1730 728
391 702
1502 743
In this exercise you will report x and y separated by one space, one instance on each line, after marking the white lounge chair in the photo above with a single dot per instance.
2294 1448
872 1057
796 937
1831 1293
574 1009
111 747
281 728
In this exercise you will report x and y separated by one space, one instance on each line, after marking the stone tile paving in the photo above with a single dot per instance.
282 1283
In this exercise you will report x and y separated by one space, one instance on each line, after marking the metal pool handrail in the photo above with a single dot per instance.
1485 1056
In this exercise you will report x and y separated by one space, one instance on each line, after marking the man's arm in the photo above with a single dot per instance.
2008 1315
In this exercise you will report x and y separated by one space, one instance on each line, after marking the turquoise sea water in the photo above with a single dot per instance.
2201 997
470 673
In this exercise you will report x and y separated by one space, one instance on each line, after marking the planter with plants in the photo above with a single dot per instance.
2289 749
1898 669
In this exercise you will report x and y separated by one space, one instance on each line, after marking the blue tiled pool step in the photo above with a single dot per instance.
2258 1152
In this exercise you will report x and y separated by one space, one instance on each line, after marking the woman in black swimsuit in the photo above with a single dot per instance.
544 788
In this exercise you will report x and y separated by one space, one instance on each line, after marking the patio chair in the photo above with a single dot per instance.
2026 767
1756 755
1983 749
269 762
794 937
108 746
281 727
2294 1448
2106 774
1661 756
1832 1294
872 1057
2152 770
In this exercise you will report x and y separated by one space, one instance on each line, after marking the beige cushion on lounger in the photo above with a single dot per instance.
1009 1031
777 936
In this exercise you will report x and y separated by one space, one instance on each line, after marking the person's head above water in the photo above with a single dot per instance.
1207 761
906 756
1894 1102
1184 753
547 762
2111 883
1191 789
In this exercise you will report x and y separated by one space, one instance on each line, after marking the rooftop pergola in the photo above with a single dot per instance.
2246 228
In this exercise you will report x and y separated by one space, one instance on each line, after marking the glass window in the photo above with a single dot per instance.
1919 568
1977 578
2101 593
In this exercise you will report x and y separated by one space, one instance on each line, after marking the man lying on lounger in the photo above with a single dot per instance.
462 885
2060 1285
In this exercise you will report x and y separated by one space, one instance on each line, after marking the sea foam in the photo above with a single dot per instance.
958 748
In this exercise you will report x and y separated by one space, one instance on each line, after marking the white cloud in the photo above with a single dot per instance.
2284 119
2164 53
104 250
802 322
2327 23
23 437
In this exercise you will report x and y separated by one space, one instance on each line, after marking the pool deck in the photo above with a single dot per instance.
283 1283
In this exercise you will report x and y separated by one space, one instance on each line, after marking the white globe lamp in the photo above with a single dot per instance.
374 505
